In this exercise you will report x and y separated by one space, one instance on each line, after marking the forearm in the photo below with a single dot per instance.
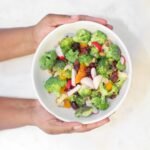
15 112
16 42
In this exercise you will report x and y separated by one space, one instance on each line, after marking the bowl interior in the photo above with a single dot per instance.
39 76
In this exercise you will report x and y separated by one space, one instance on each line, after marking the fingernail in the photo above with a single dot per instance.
77 127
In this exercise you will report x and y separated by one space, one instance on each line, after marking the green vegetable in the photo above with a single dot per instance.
121 79
114 91
100 103
54 84
113 52
84 112
120 66
66 44
82 36
67 74
102 90
95 94
94 52
80 101
99 37
48 60
71 55
59 65
84 91
85 59
103 67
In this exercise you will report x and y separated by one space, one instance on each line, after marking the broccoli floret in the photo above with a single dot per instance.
100 103
66 44
120 66
54 84
59 65
114 91
71 55
113 52
84 112
102 90
48 60
80 101
84 91
121 79
85 59
103 67
99 37
82 36
94 52
95 94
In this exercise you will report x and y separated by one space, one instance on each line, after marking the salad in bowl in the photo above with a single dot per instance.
86 72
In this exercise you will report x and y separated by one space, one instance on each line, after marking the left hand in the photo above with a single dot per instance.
52 21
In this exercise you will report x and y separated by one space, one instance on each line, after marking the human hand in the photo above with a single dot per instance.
52 21
51 125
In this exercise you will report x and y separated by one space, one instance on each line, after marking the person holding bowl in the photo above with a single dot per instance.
17 112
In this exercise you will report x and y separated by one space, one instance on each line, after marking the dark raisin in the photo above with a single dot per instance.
88 71
84 50
92 65
76 65
76 46
113 65
114 76
74 105
113 96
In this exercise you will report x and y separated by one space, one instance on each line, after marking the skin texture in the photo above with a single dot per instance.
17 42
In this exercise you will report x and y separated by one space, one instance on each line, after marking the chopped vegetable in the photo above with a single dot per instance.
67 103
74 90
113 52
108 86
66 44
48 60
120 66
97 46
59 66
121 79
82 36
94 52
99 37
100 103
84 112
84 91
71 55
85 59
54 84
87 82
96 81
81 73
103 67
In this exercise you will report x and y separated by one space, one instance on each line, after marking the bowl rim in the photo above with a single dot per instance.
129 75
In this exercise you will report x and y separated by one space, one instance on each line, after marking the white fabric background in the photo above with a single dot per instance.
130 126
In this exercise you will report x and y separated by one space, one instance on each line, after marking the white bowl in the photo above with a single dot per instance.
39 76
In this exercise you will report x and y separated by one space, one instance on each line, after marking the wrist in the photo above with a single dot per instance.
30 39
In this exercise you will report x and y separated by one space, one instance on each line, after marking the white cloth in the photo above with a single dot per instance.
130 125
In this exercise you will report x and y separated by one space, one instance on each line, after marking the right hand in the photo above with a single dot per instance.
51 125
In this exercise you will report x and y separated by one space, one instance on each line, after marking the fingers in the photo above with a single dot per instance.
109 26
56 20
59 127
88 127
89 18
